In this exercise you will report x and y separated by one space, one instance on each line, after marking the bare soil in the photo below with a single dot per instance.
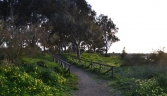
88 86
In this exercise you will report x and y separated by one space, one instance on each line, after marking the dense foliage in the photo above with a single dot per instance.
28 27
34 75
59 25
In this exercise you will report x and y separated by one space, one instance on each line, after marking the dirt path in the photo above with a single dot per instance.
88 86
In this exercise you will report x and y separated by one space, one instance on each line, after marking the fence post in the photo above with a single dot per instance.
53 59
112 71
91 65
99 67
69 69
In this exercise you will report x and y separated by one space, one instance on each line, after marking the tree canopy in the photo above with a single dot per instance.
55 24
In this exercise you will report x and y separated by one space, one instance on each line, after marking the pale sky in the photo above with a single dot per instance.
142 23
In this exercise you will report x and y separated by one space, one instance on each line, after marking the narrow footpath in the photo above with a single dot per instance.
88 86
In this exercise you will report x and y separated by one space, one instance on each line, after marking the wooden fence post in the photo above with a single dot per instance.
93 65
112 71
99 67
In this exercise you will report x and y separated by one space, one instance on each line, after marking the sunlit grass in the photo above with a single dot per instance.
110 60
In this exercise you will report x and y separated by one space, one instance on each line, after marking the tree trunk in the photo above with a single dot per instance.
44 48
94 49
105 52
106 48
78 51
58 47
33 42
77 45
11 14
88 47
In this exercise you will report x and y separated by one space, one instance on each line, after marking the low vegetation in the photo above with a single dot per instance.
142 78
34 75
110 60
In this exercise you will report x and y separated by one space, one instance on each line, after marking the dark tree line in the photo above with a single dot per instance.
55 24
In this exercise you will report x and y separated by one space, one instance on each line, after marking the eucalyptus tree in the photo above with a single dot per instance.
93 40
109 30
2 33
84 15
4 8
72 23
24 21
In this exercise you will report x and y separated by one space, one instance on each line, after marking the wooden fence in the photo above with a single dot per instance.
63 64
88 64
95 65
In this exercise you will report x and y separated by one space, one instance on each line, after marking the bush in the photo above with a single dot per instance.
123 54
33 79
17 82
162 80
41 64
144 80
146 88
135 59
159 57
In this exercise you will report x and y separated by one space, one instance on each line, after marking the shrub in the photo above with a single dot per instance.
41 64
146 88
159 57
162 80
123 54
148 80
33 79
135 59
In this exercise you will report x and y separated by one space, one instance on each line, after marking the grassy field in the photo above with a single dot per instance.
34 75
140 80
110 60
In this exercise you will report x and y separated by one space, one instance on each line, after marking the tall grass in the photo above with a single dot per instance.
141 72
143 80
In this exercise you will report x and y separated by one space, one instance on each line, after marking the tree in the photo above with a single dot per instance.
93 39
83 15
123 55
55 24
158 56
73 25
109 30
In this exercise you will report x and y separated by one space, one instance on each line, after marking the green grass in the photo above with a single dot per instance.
35 75
143 80
110 60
